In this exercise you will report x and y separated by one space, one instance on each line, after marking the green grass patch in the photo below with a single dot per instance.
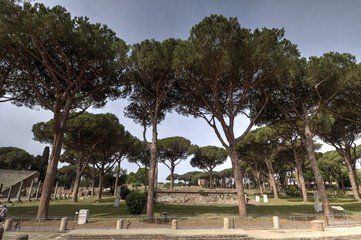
105 208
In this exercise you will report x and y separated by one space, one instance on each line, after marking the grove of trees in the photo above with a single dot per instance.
221 73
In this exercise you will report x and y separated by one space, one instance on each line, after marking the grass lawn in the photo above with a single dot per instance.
105 208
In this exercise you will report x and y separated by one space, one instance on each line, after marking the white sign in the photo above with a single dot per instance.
338 208
83 216
265 198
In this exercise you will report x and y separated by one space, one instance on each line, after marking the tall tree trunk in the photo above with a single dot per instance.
93 181
211 185
238 178
172 175
342 181
100 186
259 181
273 185
76 184
156 174
353 159
301 177
315 168
79 171
351 175
297 176
117 180
303 186
59 126
271 176
152 175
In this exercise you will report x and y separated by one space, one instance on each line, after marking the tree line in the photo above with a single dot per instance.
222 71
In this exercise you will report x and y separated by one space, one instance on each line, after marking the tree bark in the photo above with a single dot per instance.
172 175
79 171
117 179
76 184
238 178
100 186
259 180
152 175
301 178
211 185
315 168
93 181
351 174
271 176
60 119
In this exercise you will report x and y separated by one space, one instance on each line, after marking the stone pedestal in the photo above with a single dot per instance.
318 225
174 224
8 223
120 223
226 223
276 222
64 224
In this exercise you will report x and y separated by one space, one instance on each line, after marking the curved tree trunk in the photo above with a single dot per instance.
76 185
315 168
60 120
352 177
79 171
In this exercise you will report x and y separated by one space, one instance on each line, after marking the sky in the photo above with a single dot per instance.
315 26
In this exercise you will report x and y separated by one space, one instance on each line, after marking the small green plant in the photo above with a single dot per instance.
292 191
136 202
338 193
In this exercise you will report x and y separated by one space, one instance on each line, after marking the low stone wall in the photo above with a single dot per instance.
159 237
155 234
197 197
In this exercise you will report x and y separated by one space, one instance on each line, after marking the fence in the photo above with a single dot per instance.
163 220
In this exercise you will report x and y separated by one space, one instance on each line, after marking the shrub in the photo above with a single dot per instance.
124 191
336 193
292 191
136 202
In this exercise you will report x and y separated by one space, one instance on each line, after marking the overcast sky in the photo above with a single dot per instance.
315 26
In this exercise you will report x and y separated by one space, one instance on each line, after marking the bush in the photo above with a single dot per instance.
136 202
336 193
124 191
292 191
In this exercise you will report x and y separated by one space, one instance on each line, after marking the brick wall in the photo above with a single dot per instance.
202 197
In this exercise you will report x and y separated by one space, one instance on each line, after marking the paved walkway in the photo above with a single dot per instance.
351 232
